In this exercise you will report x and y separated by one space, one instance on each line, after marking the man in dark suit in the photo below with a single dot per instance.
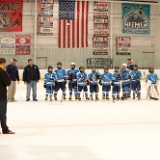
130 64
4 82
31 76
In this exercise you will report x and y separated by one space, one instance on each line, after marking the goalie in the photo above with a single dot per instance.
152 85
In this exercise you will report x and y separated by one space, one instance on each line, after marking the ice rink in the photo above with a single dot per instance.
79 130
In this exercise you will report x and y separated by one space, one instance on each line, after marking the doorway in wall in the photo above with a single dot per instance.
42 62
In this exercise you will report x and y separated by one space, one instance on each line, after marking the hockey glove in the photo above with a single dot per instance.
112 83
100 82
65 82
44 85
98 76
118 76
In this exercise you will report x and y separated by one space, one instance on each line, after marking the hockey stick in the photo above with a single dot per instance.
84 93
147 93
112 95
51 94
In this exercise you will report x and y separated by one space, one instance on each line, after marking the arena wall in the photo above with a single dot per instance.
50 54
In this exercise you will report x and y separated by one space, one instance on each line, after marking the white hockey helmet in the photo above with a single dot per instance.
124 65
72 64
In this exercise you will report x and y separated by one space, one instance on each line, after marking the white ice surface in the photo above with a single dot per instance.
73 130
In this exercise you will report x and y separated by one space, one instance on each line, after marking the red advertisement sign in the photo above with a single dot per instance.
11 15
23 44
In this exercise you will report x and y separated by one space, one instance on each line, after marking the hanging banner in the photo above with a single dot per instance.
23 44
135 18
7 44
45 18
11 15
101 28
123 46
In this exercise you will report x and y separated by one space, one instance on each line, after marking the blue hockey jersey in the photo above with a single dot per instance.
125 76
136 76
93 77
152 77
81 78
50 78
61 74
106 78
72 74
115 79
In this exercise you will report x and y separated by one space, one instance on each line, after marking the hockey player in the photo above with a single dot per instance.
105 81
125 78
116 83
152 83
136 83
93 78
72 77
49 82
61 82
82 82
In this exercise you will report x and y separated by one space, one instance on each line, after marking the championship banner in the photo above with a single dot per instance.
135 18
7 44
101 28
45 18
23 44
123 46
11 15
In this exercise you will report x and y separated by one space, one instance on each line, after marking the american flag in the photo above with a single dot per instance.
73 24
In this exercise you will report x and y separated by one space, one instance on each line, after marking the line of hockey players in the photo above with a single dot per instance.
126 78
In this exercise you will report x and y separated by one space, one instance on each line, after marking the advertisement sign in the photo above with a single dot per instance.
7 44
135 18
23 43
45 18
123 46
101 28
11 15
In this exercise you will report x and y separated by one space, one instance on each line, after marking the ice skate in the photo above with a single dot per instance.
46 98
134 96
118 97
91 98
114 97
79 98
50 98
103 97
107 97
70 98
87 98
97 98
123 97
76 97
55 97
64 97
